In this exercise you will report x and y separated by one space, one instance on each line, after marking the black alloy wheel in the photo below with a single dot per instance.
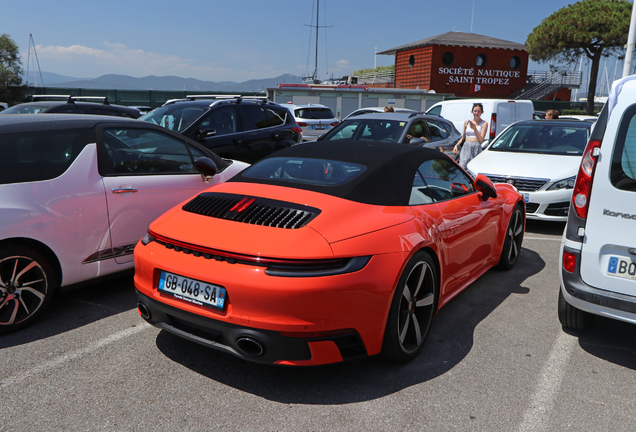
26 286
412 309
512 241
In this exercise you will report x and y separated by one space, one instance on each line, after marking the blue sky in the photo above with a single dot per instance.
241 40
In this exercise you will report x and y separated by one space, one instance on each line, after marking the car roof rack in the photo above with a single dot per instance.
70 99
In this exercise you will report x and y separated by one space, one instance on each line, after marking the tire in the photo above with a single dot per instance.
412 309
26 286
573 318
512 241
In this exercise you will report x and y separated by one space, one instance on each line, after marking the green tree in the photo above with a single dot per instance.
11 88
594 28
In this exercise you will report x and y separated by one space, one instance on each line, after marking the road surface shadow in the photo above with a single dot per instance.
610 340
450 340
544 227
74 309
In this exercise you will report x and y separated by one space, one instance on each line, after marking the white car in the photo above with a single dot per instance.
371 110
313 119
541 159
598 249
76 194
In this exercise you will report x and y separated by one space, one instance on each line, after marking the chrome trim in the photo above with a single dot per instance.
110 253
124 190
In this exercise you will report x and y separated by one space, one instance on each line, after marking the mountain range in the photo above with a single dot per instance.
124 82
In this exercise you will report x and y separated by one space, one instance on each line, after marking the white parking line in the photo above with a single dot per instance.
537 416
59 361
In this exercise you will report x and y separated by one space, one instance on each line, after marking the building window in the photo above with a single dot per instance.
481 60
515 62
412 61
448 58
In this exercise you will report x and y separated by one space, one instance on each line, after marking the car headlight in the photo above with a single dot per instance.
567 183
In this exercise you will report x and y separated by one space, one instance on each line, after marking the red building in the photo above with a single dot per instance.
465 64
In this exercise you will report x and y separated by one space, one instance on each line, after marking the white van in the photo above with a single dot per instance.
499 113
598 249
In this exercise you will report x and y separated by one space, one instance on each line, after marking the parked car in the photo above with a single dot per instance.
499 113
240 128
540 158
77 192
415 129
72 105
325 252
587 118
314 119
371 110
598 249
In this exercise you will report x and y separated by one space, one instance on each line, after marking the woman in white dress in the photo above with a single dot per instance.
474 134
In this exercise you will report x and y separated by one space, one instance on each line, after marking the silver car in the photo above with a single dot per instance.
404 128
313 119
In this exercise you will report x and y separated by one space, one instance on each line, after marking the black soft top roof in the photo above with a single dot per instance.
387 180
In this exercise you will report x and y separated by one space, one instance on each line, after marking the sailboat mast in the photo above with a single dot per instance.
317 15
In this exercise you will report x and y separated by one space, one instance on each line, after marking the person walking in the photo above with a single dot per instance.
474 134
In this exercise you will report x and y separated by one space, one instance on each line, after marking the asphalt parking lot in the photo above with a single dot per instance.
496 359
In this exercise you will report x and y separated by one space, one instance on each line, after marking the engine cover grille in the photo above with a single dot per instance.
252 210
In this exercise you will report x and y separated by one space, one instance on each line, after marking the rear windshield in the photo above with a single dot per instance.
314 113
321 172
623 171
567 139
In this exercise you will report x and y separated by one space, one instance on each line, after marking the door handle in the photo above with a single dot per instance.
122 190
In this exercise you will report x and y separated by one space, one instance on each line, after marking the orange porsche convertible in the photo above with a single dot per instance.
325 252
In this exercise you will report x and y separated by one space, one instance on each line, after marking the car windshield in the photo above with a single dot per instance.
313 113
24 109
366 129
321 172
174 117
566 139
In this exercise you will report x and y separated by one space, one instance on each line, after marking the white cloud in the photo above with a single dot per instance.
117 58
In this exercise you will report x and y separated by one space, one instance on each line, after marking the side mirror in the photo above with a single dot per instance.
417 141
485 186
205 166
205 133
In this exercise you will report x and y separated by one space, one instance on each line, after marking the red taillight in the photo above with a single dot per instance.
301 124
569 262
583 185
297 130
334 124
493 125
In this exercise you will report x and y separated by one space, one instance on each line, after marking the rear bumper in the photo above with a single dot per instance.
227 337
594 300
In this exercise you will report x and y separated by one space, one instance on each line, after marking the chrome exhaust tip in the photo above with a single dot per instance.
250 346
143 310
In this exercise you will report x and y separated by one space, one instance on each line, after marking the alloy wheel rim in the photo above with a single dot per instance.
515 230
23 289
416 307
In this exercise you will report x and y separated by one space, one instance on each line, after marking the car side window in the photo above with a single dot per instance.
222 120
40 155
141 151
69 109
439 180
418 129
437 130
254 117
276 118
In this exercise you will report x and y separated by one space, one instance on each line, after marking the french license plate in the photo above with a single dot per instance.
192 290
317 127
621 267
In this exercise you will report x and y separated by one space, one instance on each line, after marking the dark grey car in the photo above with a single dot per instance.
404 128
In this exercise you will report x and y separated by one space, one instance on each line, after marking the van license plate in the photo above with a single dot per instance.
621 267
192 290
